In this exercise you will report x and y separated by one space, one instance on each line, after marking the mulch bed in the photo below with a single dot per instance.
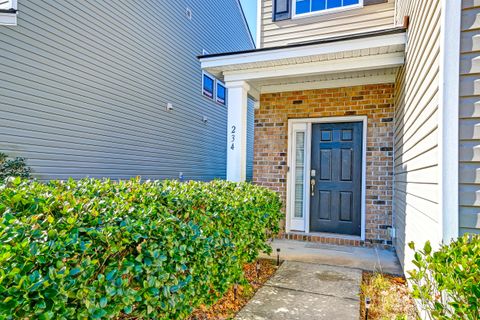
389 295
228 306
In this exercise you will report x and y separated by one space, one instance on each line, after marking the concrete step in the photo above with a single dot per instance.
369 259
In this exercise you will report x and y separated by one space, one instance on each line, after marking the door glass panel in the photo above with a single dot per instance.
299 173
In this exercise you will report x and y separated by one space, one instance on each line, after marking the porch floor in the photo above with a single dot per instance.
369 259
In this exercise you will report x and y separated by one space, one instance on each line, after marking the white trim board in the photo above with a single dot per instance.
258 43
290 183
449 118
8 19
389 60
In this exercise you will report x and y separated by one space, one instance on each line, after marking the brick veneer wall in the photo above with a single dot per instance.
374 101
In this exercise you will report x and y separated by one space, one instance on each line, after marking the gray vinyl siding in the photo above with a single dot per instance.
250 138
368 18
469 178
84 86
416 203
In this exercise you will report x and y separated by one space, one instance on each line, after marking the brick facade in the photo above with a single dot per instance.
271 140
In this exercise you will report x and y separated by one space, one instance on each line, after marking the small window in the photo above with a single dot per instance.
208 85
221 93
305 7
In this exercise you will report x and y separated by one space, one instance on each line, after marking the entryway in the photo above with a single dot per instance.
326 185
336 177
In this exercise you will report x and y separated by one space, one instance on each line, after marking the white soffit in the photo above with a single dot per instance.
323 81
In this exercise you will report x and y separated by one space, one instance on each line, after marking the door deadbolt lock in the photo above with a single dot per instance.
313 173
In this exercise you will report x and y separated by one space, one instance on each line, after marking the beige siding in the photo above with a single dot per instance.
469 169
369 18
417 215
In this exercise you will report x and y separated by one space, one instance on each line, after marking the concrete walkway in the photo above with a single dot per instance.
317 282
307 291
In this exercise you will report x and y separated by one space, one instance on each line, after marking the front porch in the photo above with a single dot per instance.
324 126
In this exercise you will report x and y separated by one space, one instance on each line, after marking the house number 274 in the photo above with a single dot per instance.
234 131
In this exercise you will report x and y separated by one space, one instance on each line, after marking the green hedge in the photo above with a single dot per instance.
447 282
95 249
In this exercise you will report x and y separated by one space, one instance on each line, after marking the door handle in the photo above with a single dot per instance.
312 186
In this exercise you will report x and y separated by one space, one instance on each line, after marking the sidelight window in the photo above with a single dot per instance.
299 173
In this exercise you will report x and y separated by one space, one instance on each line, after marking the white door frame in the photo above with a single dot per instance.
296 125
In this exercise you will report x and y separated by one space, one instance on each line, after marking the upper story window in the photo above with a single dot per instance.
213 89
8 12
221 93
208 85
311 7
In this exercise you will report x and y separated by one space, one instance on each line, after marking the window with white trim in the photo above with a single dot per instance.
8 12
208 86
213 89
298 187
221 93
308 7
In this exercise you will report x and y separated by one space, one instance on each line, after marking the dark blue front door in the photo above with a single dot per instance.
336 178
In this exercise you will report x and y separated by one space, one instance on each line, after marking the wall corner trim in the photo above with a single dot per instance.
449 118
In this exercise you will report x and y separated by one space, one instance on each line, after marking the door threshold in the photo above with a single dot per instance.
325 238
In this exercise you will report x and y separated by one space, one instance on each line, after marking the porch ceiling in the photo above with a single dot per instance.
374 54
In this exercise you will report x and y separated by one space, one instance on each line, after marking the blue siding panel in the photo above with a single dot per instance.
84 87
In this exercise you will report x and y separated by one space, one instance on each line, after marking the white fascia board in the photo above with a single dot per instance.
390 60
304 51
8 19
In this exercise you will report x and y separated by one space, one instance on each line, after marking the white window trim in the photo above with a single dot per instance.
323 12
307 122
9 18
214 97
216 93
258 42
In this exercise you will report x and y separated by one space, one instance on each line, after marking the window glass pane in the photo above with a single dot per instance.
299 173
221 94
350 2
319 5
303 6
334 4
208 84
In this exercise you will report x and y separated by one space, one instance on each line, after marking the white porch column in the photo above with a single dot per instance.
237 130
